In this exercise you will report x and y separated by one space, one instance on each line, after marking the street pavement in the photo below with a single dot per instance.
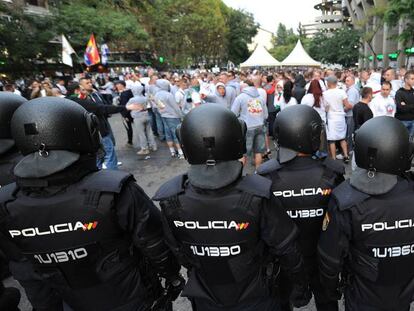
150 173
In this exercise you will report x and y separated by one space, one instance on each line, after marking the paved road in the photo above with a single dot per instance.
150 174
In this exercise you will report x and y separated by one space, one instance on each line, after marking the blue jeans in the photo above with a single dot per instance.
110 159
160 124
410 127
170 125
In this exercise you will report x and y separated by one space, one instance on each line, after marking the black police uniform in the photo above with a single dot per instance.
88 238
9 156
222 226
368 236
8 161
374 240
303 185
224 237
94 238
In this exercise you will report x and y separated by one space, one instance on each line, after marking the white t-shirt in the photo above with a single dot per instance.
381 106
309 100
284 105
334 99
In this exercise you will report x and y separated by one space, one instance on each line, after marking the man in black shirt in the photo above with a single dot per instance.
404 98
124 96
93 102
361 110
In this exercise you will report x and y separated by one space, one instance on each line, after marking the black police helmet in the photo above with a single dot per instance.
382 145
9 102
53 123
298 128
211 133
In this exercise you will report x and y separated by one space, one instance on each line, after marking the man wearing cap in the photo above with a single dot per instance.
226 229
303 185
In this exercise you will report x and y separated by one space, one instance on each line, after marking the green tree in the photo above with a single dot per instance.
187 32
284 42
114 24
284 36
242 29
402 10
341 47
24 40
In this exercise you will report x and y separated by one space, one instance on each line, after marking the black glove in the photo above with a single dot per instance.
301 295
174 286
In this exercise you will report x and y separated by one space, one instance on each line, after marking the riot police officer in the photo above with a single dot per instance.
222 226
369 235
91 235
9 156
303 185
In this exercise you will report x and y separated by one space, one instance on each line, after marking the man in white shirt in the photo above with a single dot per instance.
383 104
337 103
389 76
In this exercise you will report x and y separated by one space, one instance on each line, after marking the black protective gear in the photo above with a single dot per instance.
226 238
90 241
298 128
212 133
9 102
52 123
388 152
305 200
370 241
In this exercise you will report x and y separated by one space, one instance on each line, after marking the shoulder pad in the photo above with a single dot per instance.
256 185
334 165
171 188
347 196
105 181
6 192
269 166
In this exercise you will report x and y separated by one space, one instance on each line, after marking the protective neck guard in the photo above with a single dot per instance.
372 183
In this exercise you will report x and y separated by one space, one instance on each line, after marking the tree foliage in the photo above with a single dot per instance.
341 47
24 39
241 29
284 42
402 10
108 21
182 32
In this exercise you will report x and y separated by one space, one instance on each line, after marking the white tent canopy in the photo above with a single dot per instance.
299 57
260 58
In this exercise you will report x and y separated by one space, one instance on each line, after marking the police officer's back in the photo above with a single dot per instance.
221 225
91 235
9 155
369 226
303 185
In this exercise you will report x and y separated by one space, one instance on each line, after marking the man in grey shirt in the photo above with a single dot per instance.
353 98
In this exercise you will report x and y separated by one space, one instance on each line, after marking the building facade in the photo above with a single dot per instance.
332 18
385 45
263 38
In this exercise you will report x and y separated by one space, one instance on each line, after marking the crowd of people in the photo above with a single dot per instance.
153 104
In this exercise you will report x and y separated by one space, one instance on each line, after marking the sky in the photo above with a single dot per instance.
269 13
